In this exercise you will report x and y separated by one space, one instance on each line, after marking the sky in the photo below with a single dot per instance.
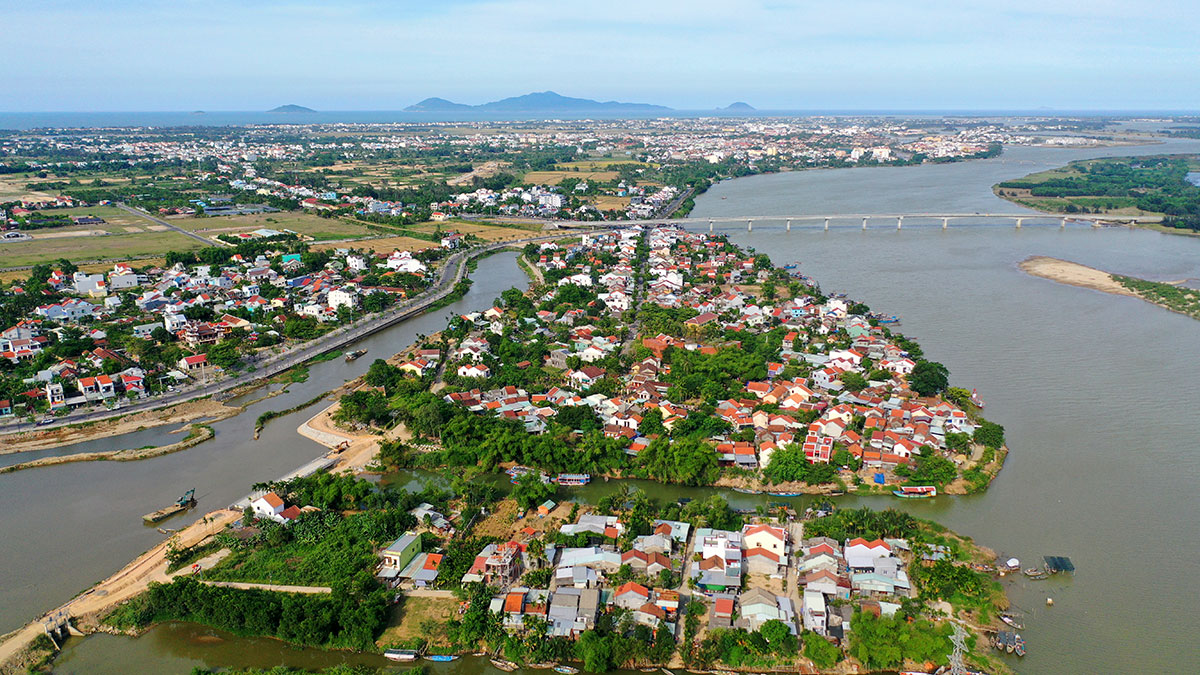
161 55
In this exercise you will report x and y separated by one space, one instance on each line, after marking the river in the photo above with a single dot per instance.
1096 392
66 527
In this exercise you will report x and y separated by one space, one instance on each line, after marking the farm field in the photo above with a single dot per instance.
556 177
481 230
304 223
383 245
609 203
412 619
96 247
115 219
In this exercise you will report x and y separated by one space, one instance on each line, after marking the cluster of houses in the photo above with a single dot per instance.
268 288
747 577
803 401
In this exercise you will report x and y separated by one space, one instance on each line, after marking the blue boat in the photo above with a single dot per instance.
441 657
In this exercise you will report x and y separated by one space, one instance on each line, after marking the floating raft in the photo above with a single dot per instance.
1058 563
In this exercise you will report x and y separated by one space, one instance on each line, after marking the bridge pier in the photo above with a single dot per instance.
1062 224
710 225
1019 222
789 225
826 224
865 222
749 225
899 222
945 223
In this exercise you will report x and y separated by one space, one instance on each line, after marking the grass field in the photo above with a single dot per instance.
112 217
411 619
318 228
113 246
481 230
598 164
556 177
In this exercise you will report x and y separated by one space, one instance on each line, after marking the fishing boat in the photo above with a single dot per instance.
568 670
976 400
1036 573
667 672
400 654
744 491
915 491
790 267
573 479
506 666
784 494
1011 621
350 356
442 658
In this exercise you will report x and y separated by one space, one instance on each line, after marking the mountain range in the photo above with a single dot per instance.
543 101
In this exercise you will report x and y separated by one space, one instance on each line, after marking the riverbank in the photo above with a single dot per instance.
17 649
1166 295
198 434
1073 274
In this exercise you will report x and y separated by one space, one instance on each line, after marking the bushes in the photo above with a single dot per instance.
849 523
883 643
336 620
823 653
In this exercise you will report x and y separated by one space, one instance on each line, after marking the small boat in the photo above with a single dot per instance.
441 657
744 491
350 356
784 494
667 672
790 267
915 491
400 654
566 669
976 400
1011 621
506 666
1036 573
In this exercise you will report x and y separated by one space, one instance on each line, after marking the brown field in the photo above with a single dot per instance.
484 232
600 163
609 203
408 620
384 245
112 216
556 177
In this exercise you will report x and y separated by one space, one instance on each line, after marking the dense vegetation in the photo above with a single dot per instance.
1178 298
1153 184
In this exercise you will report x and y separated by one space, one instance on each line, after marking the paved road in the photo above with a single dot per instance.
282 588
449 274
138 212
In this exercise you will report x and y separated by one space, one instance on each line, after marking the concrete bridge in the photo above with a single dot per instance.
887 219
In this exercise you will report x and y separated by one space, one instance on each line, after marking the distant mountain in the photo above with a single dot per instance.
291 108
539 102
739 106
437 105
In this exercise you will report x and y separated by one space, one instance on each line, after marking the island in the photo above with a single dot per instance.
291 108
544 101
1159 192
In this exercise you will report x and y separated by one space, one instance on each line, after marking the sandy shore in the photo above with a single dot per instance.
87 608
1074 274
197 435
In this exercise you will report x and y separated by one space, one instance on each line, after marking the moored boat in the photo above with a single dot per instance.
441 657
350 356
568 670
400 654
182 504
915 491
506 666
573 479
1011 621
976 400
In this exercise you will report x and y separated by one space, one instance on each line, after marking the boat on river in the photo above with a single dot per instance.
182 504
506 666
1011 621
915 491
978 402
573 479
350 356
400 654
567 670
785 494
441 658
1036 573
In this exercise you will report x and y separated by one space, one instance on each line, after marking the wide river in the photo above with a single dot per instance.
1097 393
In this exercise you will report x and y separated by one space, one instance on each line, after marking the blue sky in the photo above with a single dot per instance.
689 54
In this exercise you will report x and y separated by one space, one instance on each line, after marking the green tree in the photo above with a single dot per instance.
929 378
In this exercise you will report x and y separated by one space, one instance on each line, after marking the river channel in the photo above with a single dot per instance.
1097 393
